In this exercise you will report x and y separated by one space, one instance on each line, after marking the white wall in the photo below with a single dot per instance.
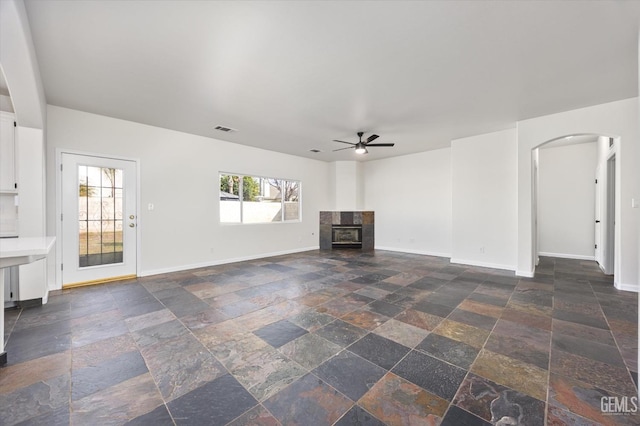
31 182
411 197
360 186
348 186
484 183
178 168
566 201
616 119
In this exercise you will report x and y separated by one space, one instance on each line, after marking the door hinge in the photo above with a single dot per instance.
60 167
11 294
62 267
15 124
596 181
61 217
15 185
596 246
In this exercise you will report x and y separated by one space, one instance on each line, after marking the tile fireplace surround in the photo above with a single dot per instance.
345 218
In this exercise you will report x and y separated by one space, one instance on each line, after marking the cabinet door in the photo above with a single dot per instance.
7 153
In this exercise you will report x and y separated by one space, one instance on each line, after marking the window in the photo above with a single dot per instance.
254 199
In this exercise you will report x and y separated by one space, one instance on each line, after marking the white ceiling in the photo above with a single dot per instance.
293 76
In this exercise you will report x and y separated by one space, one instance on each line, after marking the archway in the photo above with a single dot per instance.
573 202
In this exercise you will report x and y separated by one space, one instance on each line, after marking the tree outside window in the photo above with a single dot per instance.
263 199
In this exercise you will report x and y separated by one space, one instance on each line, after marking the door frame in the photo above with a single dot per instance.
610 194
609 207
59 152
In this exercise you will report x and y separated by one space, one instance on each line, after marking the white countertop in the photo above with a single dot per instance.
18 251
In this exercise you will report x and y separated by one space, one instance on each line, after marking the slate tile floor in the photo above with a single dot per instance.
321 338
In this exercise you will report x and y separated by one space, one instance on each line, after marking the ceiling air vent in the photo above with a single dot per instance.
225 129
315 150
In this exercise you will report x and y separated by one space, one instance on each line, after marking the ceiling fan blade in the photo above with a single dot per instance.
380 144
371 139
350 143
342 149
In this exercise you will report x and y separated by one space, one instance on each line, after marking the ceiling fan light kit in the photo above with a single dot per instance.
361 147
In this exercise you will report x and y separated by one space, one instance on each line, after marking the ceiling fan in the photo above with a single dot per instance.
361 147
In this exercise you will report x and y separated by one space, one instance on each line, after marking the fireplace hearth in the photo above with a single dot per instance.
347 229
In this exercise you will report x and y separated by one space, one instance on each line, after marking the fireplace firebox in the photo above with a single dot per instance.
346 236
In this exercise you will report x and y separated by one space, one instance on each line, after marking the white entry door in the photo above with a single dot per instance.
99 219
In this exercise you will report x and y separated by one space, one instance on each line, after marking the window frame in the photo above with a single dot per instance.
241 177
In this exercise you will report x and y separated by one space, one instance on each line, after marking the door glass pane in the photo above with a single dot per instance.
100 215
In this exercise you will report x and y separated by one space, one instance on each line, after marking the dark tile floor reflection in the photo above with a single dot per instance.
322 338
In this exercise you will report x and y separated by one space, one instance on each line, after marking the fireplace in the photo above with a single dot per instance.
346 236
347 229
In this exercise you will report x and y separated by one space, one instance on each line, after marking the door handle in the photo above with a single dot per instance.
132 225
597 221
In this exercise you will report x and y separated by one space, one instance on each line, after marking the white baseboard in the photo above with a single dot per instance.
422 252
224 261
567 256
627 287
483 264
526 274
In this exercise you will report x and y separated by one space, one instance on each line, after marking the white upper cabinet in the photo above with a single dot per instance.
7 153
